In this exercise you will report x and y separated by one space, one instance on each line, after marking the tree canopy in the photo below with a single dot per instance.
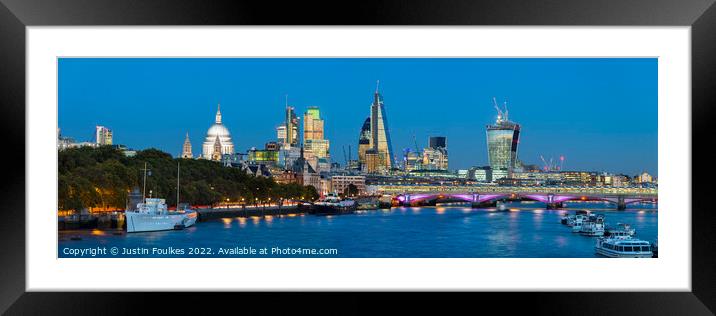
104 176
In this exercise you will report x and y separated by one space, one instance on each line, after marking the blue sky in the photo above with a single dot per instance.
601 114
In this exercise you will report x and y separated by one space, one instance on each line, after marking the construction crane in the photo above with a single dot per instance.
544 163
499 112
501 115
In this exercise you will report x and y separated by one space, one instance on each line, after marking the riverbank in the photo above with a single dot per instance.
249 211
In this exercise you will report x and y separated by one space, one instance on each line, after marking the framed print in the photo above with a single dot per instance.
397 147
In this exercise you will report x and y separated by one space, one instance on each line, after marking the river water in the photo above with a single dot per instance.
524 230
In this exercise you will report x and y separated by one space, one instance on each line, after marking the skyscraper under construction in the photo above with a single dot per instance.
502 140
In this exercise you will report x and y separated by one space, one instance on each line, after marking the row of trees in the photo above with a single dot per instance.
104 176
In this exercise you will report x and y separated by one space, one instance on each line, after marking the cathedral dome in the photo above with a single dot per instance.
219 132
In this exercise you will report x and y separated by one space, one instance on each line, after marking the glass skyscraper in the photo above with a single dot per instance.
502 140
380 135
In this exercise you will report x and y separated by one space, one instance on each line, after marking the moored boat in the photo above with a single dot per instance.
593 226
579 220
623 247
152 214
620 229
332 204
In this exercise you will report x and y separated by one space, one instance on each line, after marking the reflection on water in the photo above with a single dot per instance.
523 230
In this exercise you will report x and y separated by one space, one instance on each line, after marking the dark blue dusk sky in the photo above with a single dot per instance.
601 114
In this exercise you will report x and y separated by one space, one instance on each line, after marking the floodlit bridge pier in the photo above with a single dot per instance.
485 196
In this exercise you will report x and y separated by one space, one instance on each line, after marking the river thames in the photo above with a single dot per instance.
524 230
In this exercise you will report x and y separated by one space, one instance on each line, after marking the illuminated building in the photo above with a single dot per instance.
435 157
481 174
644 178
578 177
339 183
502 141
217 134
281 134
316 148
103 135
380 134
186 149
265 156
291 127
413 161
364 143
312 124
372 161
216 154
498 174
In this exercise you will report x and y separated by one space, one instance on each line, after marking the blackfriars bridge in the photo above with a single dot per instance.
552 196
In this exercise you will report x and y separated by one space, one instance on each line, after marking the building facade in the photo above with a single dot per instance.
103 135
291 127
435 157
364 141
502 142
339 183
316 147
380 134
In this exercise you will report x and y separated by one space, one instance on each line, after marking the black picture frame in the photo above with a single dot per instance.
16 15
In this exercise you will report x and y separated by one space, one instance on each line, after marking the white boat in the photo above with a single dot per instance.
579 220
620 229
594 226
569 220
623 247
152 214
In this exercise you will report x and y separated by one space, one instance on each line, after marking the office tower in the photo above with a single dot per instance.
380 133
502 141
435 157
313 135
103 135
291 123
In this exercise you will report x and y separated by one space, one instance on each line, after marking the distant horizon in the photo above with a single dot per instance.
600 113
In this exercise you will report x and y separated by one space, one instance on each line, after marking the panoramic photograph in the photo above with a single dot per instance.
357 158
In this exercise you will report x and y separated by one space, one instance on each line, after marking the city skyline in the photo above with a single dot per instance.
611 127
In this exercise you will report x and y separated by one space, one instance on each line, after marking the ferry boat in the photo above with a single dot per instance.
623 247
332 204
594 226
620 229
152 214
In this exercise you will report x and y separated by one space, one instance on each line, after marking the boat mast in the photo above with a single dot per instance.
177 185
144 185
